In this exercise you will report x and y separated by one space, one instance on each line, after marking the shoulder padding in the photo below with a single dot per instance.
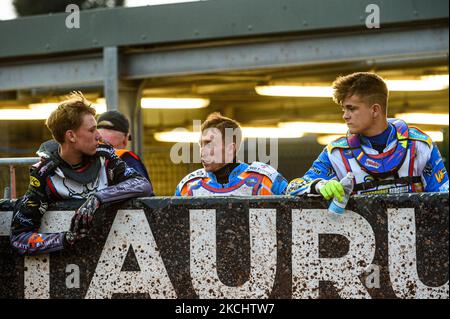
200 173
263 169
417 135
340 142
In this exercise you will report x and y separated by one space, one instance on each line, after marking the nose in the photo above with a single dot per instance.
346 116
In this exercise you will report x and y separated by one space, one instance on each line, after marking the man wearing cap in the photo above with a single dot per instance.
114 128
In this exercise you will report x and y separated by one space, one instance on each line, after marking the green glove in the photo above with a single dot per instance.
330 189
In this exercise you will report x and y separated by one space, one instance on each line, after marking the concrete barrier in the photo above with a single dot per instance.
265 247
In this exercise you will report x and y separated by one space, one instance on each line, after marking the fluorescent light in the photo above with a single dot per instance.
139 3
184 136
424 118
177 137
169 103
327 139
22 114
436 136
99 108
316 127
426 83
294 90
43 107
174 103
38 111
270 132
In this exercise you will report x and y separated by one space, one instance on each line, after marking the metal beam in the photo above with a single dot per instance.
332 48
204 21
122 95
415 44
111 77
56 73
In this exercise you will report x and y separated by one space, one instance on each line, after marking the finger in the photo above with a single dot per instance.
72 222
87 224
341 189
326 193
336 191
338 196
75 224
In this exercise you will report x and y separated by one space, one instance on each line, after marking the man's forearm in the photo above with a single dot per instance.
32 243
134 187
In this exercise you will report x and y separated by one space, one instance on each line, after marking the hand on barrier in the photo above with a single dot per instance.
106 150
82 220
330 189
71 238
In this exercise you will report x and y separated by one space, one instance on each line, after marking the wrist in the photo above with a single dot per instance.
319 185
69 239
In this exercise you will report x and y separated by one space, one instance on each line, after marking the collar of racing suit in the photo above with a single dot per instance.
84 173
379 142
222 175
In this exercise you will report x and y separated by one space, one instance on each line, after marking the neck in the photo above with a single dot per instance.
223 173
69 155
376 129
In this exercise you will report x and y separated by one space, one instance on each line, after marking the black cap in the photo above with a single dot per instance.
113 120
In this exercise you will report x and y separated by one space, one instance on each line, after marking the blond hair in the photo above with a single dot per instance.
68 115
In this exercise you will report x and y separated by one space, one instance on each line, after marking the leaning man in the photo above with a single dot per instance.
80 168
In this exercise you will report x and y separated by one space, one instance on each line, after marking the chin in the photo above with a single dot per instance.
208 168
91 153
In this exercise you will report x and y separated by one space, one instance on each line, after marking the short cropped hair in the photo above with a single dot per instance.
216 120
369 86
68 115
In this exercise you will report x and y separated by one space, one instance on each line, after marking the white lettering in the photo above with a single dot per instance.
130 228
308 269
263 255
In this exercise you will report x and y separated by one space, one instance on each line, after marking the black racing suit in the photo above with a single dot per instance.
104 175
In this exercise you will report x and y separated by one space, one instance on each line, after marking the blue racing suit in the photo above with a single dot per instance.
410 162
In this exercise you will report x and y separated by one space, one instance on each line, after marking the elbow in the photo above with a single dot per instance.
147 188
18 247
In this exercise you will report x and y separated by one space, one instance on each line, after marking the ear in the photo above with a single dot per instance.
125 140
71 136
231 150
377 110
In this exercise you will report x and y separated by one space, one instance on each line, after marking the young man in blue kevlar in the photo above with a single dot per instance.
385 155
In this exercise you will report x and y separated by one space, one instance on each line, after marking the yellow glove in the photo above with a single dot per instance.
330 189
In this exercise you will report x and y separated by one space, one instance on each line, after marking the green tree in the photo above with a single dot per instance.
33 7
